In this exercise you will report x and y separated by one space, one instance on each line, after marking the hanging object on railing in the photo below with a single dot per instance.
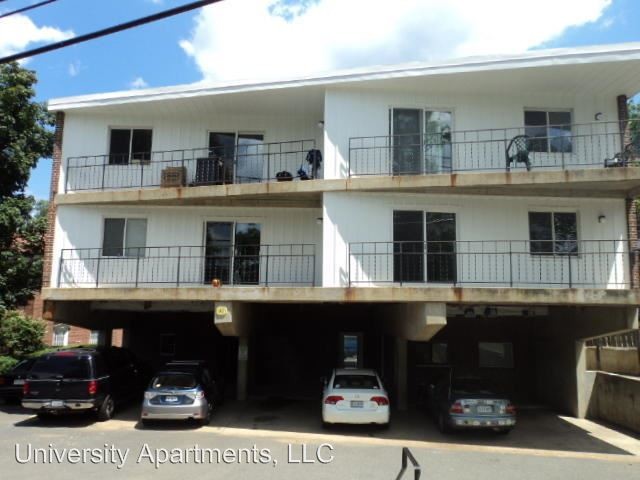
216 283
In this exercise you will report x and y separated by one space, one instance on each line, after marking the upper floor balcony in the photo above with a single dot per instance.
441 150
250 160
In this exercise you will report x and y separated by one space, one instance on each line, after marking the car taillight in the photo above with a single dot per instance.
200 395
380 400
92 387
511 409
25 388
333 399
456 408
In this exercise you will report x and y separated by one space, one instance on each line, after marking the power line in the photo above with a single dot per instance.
108 31
30 7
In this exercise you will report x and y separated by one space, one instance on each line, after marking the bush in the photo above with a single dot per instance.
6 364
20 335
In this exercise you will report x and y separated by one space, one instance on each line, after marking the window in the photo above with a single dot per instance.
232 249
495 355
60 335
124 237
553 233
130 145
245 148
549 131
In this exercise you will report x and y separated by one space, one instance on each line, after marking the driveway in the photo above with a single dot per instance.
271 439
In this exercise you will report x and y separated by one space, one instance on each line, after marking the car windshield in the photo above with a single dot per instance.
470 385
355 381
174 380
61 366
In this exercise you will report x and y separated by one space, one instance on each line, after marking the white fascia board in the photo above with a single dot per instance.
533 59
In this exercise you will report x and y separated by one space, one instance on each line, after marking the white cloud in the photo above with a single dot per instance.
248 39
138 82
19 32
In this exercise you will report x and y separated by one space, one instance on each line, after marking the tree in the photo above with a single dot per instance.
25 137
20 335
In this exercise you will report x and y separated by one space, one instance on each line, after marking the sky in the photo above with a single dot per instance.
262 39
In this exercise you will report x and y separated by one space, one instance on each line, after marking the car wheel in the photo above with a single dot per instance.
443 426
105 412
326 425
43 415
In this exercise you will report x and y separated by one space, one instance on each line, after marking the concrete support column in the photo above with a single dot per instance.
243 367
583 393
106 337
401 373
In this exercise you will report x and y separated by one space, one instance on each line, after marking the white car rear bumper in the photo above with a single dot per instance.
332 414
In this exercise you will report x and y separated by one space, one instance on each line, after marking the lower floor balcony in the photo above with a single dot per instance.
183 266
600 264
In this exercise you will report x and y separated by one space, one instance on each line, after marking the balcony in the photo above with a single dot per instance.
600 264
255 163
178 266
563 147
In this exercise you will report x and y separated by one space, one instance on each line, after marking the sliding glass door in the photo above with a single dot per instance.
421 141
411 253
238 157
232 247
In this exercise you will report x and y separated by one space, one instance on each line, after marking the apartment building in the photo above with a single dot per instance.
474 214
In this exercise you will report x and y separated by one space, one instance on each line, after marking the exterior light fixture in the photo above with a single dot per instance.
602 218
598 116
469 313
320 123
491 312
319 220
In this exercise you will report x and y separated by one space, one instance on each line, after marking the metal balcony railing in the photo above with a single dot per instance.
601 144
264 265
191 167
497 263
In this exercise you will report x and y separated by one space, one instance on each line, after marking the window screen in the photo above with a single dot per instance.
136 237
113 239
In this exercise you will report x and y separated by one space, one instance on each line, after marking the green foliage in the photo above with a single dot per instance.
7 363
20 335
25 137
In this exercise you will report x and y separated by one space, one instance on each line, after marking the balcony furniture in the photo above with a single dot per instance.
211 171
173 177
284 176
302 174
629 153
518 151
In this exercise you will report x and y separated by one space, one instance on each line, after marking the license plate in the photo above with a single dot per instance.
485 409
171 399
57 404
18 382
357 404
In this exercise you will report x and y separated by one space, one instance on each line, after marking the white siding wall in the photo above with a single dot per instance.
88 134
82 227
353 217
365 112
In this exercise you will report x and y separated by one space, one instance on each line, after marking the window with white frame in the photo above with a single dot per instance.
553 233
60 335
124 237
548 131
130 145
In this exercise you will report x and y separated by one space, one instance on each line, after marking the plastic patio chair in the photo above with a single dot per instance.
630 152
518 151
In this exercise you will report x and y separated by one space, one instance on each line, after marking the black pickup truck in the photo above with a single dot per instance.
83 379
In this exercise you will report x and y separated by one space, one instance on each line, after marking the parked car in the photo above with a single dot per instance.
468 403
182 390
11 382
96 379
355 396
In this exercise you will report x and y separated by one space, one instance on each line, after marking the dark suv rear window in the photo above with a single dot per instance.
61 366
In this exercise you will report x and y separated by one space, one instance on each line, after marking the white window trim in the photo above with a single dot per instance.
547 125
553 212
131 161
65 335
124 234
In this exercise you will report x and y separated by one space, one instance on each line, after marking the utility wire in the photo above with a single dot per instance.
108 31
30 7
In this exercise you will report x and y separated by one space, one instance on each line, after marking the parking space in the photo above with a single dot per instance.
538 430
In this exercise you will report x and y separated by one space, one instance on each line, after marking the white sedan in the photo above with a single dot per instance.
354 396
